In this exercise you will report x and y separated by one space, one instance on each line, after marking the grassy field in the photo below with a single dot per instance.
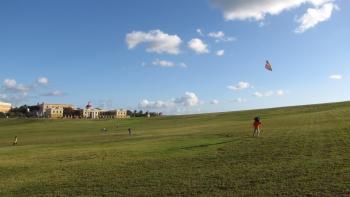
303 151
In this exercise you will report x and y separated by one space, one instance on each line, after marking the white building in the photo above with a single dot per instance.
94 113
90 112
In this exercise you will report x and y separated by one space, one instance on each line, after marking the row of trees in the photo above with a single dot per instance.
23 111
142 114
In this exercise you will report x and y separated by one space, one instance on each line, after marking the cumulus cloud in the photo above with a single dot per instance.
239 100
220 36
146 104
17 93
187 101
12 86
214 102
269 93
42 81
280 93
200 32
220 52
258 94
183 65
313 16
163 63
336 77
240 86
54 93
258 9
198 46
156 41
10 83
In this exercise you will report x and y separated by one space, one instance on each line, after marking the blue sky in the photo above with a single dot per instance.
174 56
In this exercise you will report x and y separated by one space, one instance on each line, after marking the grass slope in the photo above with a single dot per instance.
302 151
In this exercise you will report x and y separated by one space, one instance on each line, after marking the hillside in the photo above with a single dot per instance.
303 150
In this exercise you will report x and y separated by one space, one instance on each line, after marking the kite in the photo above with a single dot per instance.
268 66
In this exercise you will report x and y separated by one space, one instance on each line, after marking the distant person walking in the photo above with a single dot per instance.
15 141
256 125
129 130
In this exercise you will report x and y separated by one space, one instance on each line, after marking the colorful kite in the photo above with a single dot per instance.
268 66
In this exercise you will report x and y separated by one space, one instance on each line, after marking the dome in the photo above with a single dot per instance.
89 105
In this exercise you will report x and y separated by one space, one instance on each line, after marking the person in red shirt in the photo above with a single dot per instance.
256 125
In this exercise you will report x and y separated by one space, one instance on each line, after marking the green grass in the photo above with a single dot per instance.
303 151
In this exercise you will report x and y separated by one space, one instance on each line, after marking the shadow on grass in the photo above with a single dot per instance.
205 145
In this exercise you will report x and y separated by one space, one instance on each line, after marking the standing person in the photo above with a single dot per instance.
129 130
256 125
15 141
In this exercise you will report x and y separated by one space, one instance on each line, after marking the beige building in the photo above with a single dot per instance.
53 110
117 113
121 113
5 107
54 113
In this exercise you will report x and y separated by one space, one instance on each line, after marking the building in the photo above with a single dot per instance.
5 107
90 112
52 110
121 113
96 113
117 113
54 113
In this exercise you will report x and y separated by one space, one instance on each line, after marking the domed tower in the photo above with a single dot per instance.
89 105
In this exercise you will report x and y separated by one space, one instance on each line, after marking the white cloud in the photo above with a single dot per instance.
43 80
280 93
258 94
17 93
240 100
189 99
200 32
163 63
183 103
214 102
198 46
313 16
13 86
269 93
55 93
146 104
258 9
220 36
156 41
13 92
240 86
183 65
10 83
336 77
220 52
